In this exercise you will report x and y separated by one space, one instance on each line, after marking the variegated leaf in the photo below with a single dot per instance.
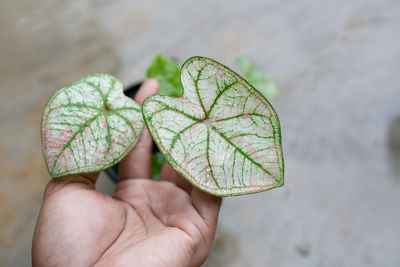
223 136
88 126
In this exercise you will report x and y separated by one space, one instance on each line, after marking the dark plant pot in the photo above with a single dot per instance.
112 172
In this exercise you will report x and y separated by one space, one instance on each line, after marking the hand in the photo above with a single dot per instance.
144 223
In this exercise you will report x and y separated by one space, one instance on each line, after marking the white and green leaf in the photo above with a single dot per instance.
223 136
89 126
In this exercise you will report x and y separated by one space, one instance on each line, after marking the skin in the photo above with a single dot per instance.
144 223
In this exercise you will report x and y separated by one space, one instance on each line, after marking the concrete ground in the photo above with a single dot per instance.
337 66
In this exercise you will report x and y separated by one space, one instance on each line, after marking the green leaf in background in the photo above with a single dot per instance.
157 161
167 72
258 78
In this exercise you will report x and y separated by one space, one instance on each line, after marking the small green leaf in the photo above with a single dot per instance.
223 137
157 161
167 73
258 78
89 126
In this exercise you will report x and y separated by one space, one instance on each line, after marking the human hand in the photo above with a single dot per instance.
144 223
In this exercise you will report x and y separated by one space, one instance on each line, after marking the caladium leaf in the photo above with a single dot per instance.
258 78
88 126
223 136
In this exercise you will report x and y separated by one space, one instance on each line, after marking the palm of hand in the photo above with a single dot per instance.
144 223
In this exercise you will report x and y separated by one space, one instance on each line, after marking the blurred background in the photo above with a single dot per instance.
337 65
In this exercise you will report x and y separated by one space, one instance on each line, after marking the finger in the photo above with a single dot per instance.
137 164
83 181
207 206
148 88
170 175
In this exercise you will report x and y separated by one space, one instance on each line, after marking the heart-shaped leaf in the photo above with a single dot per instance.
88 126
223 136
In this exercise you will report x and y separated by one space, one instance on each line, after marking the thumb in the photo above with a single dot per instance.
82 181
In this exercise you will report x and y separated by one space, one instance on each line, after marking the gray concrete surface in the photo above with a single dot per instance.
337 66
